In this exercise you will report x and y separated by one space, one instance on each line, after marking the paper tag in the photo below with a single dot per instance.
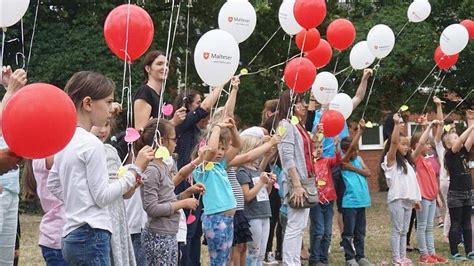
403 108
281 131
209 166
121 171
447 128
131 135
321 183
244 71
320 137
369 125
295 120
162 153
167 109
262 194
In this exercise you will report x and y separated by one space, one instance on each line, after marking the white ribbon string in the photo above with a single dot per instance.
459 104
1 54
345 80
376 68
265 45
32 36
403 28
418 87
187 52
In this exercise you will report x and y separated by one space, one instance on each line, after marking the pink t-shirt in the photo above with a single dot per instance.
52 224
426 177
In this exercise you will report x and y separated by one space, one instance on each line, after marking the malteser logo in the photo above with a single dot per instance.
238 21
376 47
205 55
217 58
230 19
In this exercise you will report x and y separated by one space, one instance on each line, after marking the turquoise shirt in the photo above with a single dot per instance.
357 189
218 196
9 181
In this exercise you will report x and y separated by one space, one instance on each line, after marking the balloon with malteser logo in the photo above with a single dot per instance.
238 17
216 57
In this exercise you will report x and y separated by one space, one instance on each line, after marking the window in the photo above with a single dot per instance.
372 138
416 128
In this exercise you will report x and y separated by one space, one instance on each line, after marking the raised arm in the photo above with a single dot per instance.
470 123
235 145
424 137
186 170
362 89
256 153
439 116
230 104
15 82
459 143
211 99
355 141
394 141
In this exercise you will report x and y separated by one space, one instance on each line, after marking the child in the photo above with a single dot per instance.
356 198
321 215
79 176
219 201
459 193
159 201
429 188
403 190
120 242
34 178
256 186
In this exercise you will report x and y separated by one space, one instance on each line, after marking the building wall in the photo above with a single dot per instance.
372 160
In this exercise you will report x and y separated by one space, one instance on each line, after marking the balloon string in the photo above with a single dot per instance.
345 80
22 53
265 45
454 109
429 97
418 87
32 35
163 85
126 57
1 54
344 70
376 68
403 28
187 52
337 61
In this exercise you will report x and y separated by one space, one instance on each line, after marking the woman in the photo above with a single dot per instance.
296 157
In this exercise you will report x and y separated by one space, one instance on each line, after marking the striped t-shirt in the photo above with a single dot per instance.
236 188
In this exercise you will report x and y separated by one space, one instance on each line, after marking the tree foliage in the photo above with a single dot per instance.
69 38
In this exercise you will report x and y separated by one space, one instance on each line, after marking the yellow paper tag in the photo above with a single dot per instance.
244 71
281 131
321 183
162 153
295 120
320 137
447 128
369 125
121 171
403 108
209 166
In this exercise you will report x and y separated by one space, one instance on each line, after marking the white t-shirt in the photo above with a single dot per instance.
401 185
136 215
443 174
80 178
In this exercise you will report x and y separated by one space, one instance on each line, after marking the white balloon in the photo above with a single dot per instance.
381 40
360 56
287 18
238 18
325 87
418 11
216 57
12 11
342 103
454 39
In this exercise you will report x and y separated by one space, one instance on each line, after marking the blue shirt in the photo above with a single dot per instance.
279 173
219 196
10 181
328 143
357 190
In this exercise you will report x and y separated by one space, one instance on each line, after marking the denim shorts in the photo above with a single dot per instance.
458 199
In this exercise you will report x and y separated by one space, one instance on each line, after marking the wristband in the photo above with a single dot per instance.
193 164
134 167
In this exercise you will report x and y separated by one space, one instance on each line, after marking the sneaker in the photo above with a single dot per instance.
270 259
427 259
364 262
278 256
406 261
457 257
470 255
439 259
397 262
352 262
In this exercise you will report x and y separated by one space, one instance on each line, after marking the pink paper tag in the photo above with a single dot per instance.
191 219
167 109
131 135
276 186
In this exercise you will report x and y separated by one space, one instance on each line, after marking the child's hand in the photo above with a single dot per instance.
17 80
436 100
362 124
367 73
145 155
190 203
227 123
336 141
5 75
235 82
275 140
197 188
396 119
264 178
116 108
266 138
272 178
418 206
8 161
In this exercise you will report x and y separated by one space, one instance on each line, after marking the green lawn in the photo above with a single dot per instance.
377 239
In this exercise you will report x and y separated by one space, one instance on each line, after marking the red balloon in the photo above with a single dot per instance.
140 31
309 13
469 24
299 74
39 121
341 34
333 123
321 55
307 40
444 61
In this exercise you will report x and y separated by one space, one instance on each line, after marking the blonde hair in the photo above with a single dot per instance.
249 143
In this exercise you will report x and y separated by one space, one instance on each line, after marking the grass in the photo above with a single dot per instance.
377 242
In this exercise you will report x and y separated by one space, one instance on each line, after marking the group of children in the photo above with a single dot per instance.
93 203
